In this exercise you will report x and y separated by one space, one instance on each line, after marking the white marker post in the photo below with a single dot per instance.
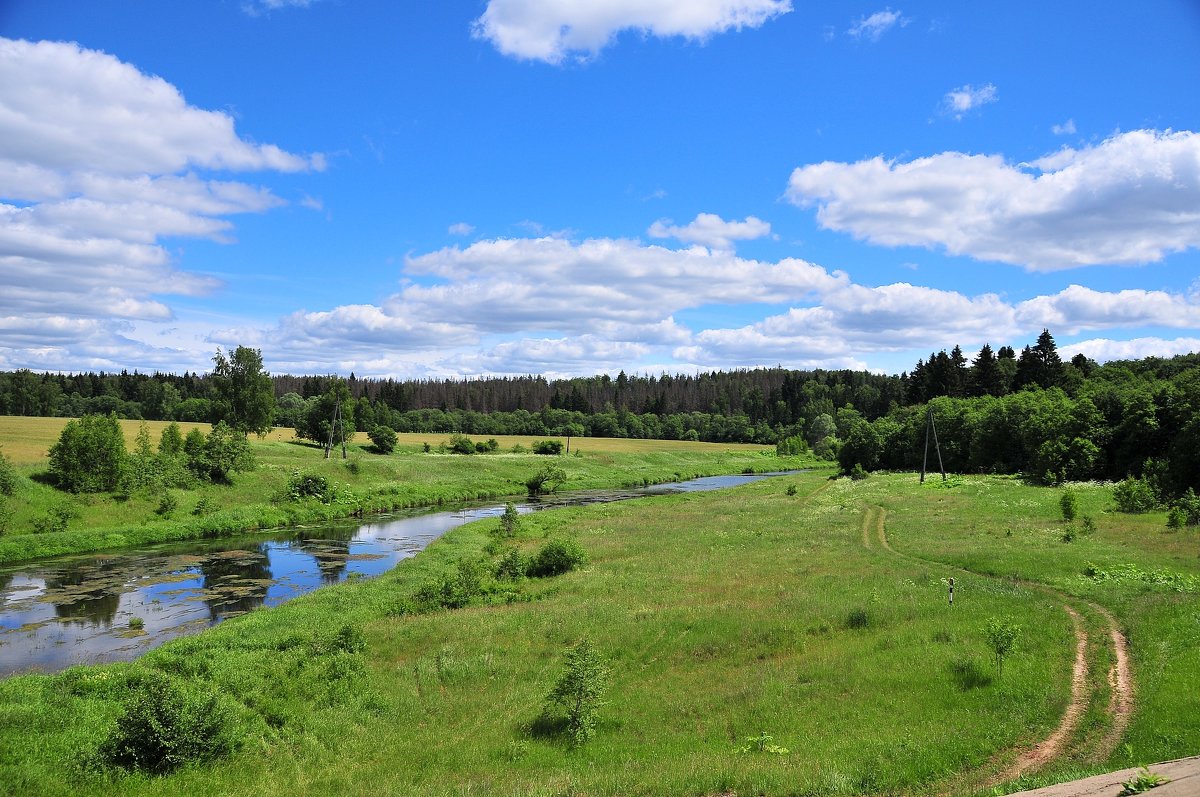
951 592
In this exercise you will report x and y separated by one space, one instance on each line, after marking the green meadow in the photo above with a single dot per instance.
364 482
768 639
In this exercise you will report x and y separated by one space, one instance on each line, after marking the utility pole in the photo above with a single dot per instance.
931 426
335 425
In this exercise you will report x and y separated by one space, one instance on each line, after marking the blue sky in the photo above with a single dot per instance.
581 186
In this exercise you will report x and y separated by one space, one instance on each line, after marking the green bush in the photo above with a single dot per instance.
556 557
793 446
1134 495
858 618
545 480
487 448
1069 504
1188 506
164 725
461 444
8 476
224 451
89 455
511 566
310 485
56 519
1002 638
167 504
384 439
510 521
579 692
548 447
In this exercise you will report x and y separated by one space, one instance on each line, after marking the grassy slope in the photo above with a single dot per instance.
371 483
995 525
722 615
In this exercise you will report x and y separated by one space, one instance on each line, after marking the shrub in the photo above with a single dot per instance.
857 473
8 476
1134 495
792 446
511 566
488 447
510 521
56 519
545 480
1188 506
1002 638
167 504
556 557
349 639
384 438
310 485
89 455
858 618
225 451
791 489
548 447
1089 524
1176 518
580 691
165 725
461 444
205 506
170 442
1069 504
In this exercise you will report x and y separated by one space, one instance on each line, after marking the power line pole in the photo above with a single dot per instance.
931 426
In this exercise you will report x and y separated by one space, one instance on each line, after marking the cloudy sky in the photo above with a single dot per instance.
564 187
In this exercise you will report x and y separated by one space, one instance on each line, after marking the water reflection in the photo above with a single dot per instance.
73 610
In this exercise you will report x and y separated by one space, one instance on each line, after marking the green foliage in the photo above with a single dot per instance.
223 452
510 521
967 674
89 455
545 480
488 447
309 485
1186 509
791 489
166 724
857 473
511 566
167 504
1001 637
1141 782
555 557
1089 524
763 743
1068 503
205 506
460 444
792 446
1134 495
244 394
349 639
384 438
8 476
57 518
858 618
579 691
548 447
170 441
137 623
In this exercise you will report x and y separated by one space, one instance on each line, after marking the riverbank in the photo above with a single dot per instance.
764 640
364 483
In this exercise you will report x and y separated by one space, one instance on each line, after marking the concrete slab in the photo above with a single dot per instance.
1183 774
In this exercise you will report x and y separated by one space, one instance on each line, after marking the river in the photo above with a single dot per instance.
116 605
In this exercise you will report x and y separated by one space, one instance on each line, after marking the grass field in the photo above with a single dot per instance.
722 617
367 482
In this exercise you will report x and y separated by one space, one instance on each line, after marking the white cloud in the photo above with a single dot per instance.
1134 198
1102 350
879 23
554 30
958 102
1077 308
709 229
460 228
1067 128
258 7
99 163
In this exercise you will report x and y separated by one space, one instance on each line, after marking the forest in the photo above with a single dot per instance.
1000 411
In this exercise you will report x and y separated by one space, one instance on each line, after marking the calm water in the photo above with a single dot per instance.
76 610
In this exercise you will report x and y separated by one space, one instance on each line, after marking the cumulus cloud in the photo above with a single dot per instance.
460 228
1077 308
709 229
960 101
1103 350
879 23
553 31
99 163
1134 198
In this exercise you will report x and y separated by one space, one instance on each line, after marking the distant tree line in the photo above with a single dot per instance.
998 411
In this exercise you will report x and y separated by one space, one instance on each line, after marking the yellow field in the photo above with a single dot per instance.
27 441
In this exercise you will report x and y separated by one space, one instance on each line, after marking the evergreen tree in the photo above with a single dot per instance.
986 377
